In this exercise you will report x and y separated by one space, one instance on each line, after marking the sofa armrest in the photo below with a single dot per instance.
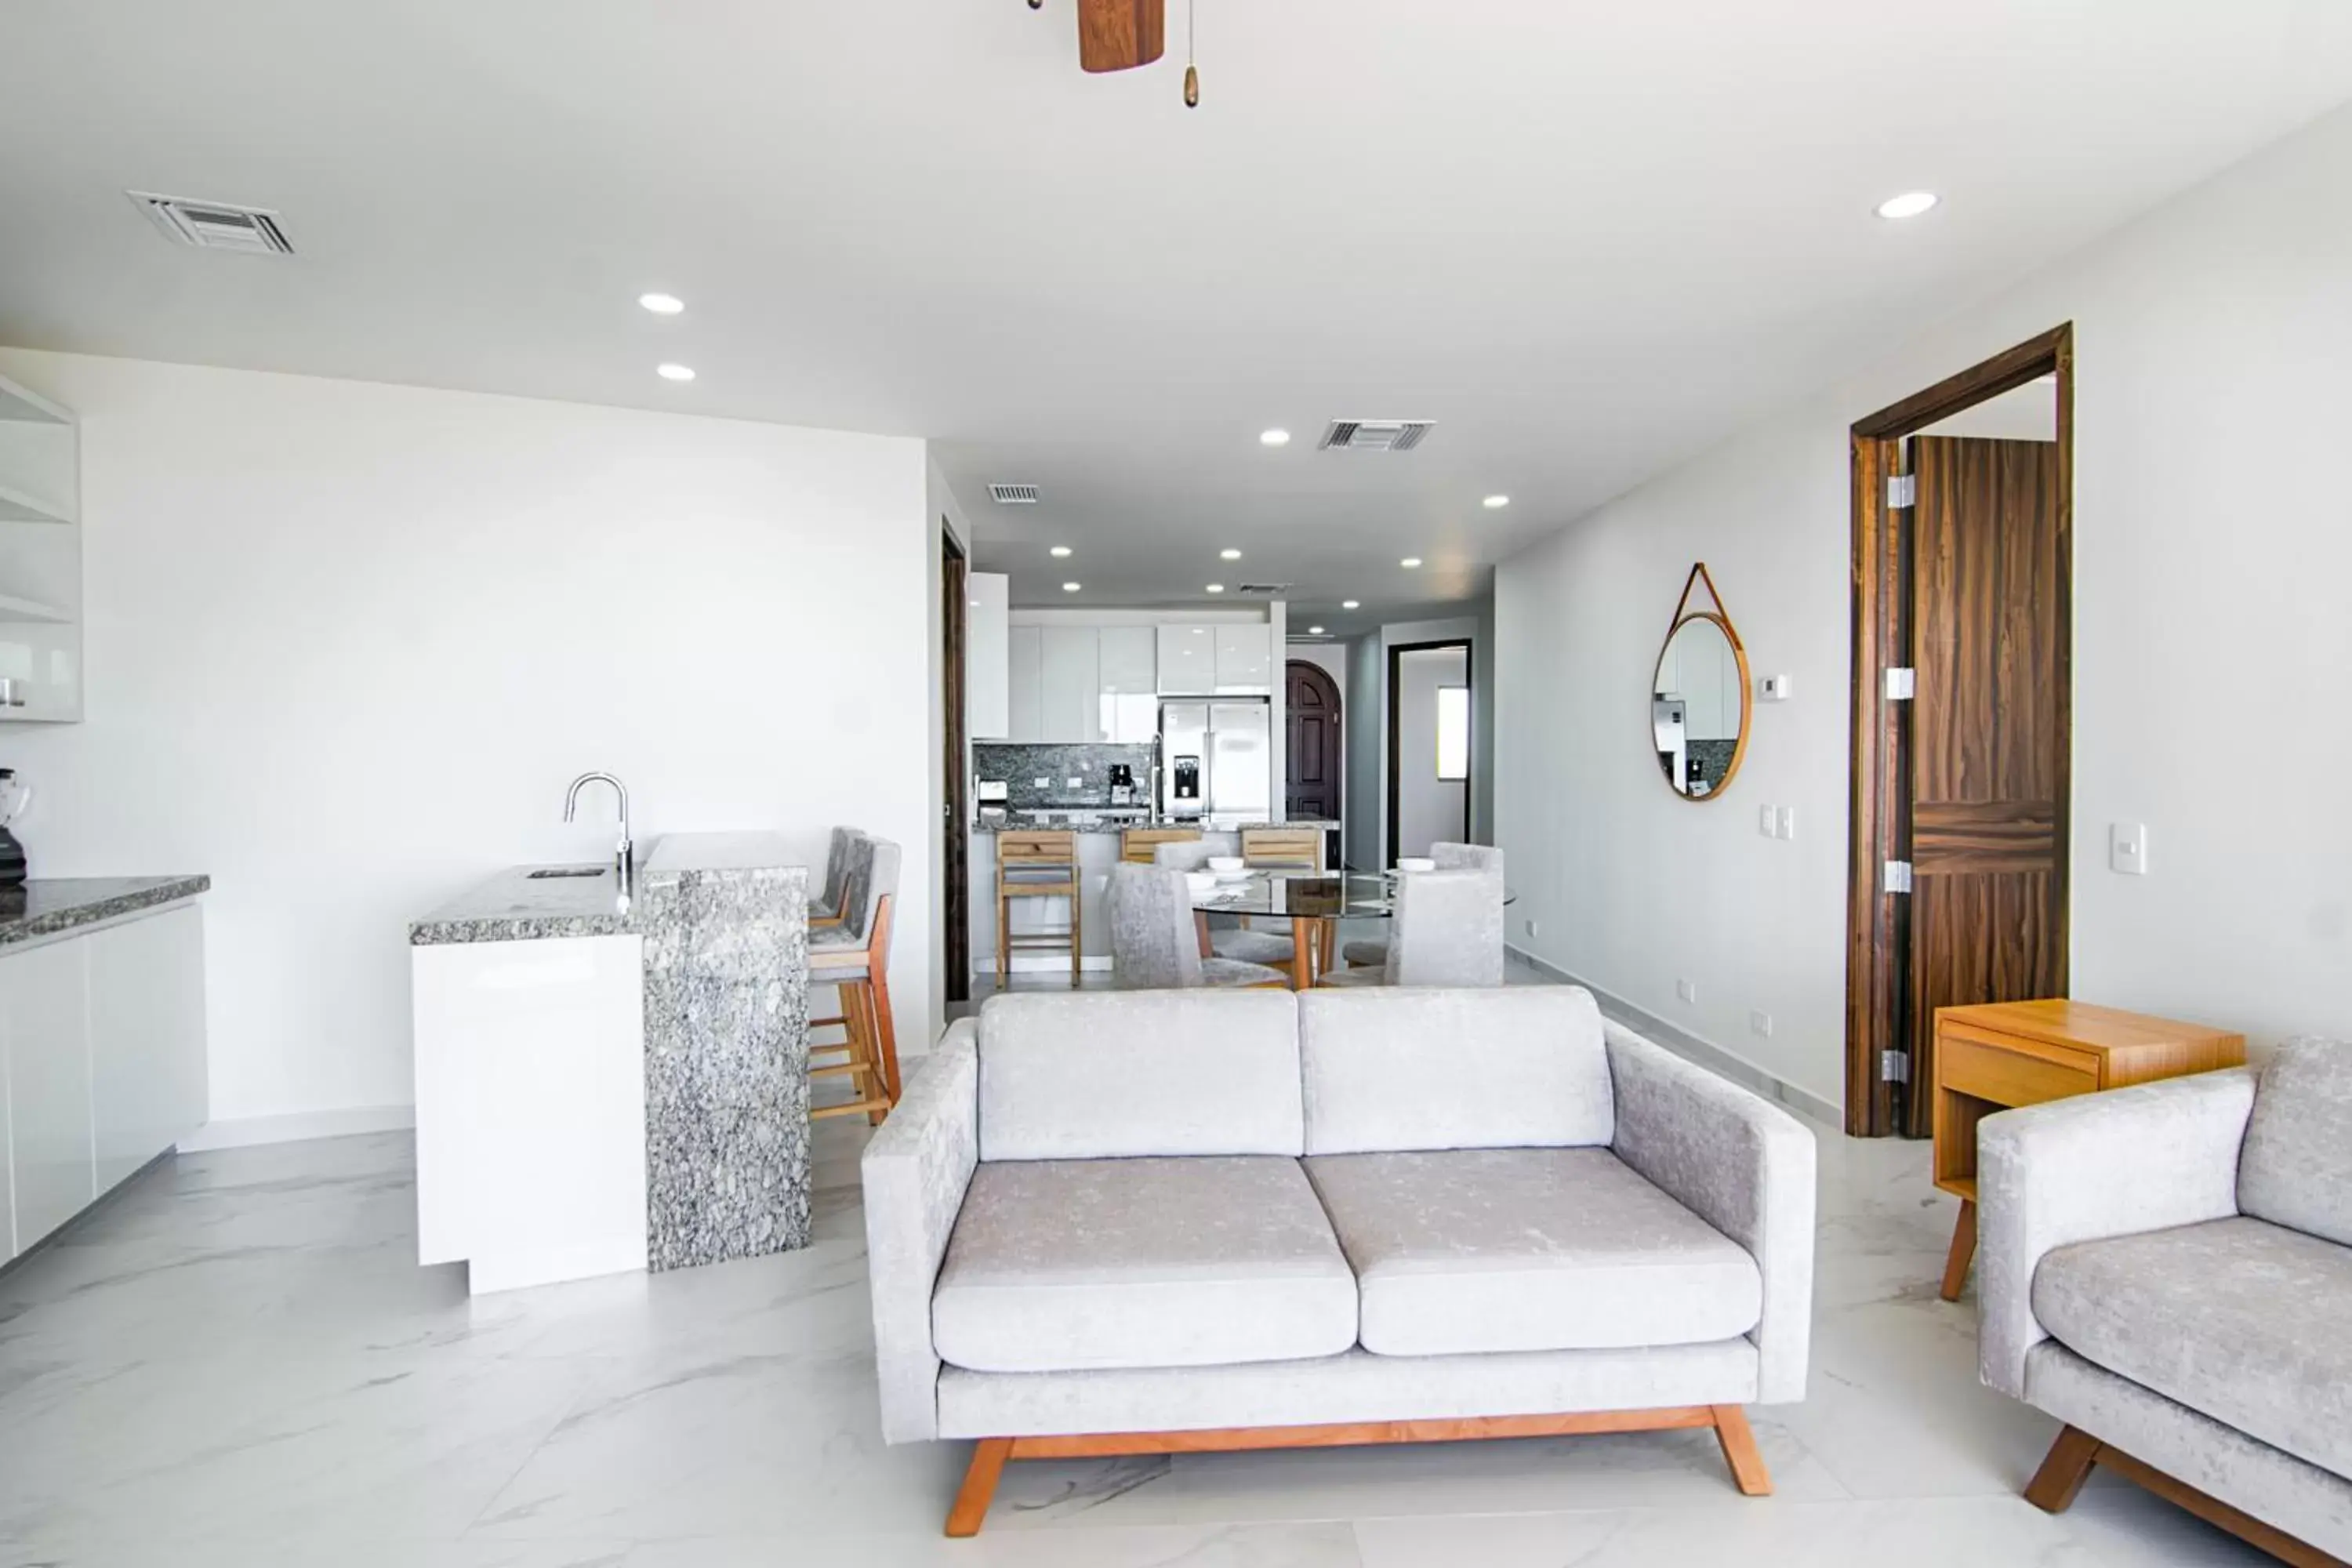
2090 1167
915 1170
1743 1165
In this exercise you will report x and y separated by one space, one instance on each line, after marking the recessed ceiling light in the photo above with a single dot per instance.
1410 561
1274 437
1059 553
662 304
1351 603
1229 555
1910 204
1495 503
1315 631
1071 587
674 372
1216 587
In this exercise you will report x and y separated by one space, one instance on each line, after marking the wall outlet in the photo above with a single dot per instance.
1787 825
1074 782
1687 990
1759 1022
1531 928
2128 849
1043 783
1768 822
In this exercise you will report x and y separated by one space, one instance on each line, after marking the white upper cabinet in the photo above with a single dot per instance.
987 672
1187 660
44 1036
1024 683
40 559
1244 660
1070 705
1130 704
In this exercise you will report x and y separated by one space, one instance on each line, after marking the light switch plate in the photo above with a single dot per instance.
1787 825
2128 849
1768 822
1772 688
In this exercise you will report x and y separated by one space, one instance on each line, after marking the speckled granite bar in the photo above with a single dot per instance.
512 906
49 905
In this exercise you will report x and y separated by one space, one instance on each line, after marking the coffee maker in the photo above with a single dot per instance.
1122 785
14 797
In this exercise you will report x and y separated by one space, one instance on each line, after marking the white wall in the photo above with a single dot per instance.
2209 636
348 642
1429 809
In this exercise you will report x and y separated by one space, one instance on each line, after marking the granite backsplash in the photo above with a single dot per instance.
1021 765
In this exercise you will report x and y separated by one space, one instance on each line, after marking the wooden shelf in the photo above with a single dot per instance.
16 506
19 404
13 609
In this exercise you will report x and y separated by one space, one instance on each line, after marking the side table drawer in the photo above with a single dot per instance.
2005 1078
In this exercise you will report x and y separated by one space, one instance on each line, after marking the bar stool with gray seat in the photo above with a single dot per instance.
825 908
1155 946
1225 940
1447 931
854 957
1373 952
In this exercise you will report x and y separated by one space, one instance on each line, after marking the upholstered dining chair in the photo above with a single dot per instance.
1154 944
1225 940
1447 931
1373 952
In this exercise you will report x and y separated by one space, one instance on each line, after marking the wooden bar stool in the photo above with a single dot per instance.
1032 864
854 957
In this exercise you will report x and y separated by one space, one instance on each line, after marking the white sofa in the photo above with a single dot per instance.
1153 1222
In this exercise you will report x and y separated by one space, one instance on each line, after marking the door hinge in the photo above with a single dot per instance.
1902 684
1902 490
1894 1067
1898 876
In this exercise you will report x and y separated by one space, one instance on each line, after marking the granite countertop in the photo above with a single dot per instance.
516 906
49 905
1122 825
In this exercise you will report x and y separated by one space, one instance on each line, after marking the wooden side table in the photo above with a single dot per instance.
2000 1055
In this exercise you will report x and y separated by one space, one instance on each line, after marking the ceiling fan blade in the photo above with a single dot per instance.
1120 35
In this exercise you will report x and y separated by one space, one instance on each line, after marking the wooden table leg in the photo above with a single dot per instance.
1302 952
1964 1251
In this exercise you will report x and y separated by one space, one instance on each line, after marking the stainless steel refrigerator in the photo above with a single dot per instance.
1217 761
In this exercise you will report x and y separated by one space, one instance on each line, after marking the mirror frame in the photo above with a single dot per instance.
1721 616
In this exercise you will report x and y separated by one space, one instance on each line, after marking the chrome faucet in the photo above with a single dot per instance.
624 854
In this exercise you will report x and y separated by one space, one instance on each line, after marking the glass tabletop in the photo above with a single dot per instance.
1302 894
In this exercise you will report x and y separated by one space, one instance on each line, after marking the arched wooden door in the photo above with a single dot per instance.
1312 786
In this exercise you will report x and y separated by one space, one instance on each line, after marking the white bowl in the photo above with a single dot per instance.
1199 882
1228 863
1417 863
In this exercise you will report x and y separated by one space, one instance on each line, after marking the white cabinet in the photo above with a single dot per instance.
146 1038
1024 683
1187 660
7 1172
45 1027
1129 688
1244 660
987 675
1072 685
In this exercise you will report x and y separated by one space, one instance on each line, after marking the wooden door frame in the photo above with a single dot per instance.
955 641
1340 715
1394 675
1875 920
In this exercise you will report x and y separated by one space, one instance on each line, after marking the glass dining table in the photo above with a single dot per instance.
1314 902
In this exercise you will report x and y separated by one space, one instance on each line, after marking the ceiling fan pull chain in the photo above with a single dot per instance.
1192 73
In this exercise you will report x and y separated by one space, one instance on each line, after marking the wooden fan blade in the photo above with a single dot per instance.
1120 35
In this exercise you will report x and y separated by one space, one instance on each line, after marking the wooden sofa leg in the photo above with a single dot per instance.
988 1457
1747 1471
2064 1470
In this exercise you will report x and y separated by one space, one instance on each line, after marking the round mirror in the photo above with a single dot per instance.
1698 705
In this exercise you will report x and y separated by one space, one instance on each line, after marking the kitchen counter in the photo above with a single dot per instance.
47 906
1122 825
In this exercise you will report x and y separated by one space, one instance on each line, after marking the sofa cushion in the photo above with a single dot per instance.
1073 1265
1529 1249
1113 1074
2246 1322
1513 1067
2295 1167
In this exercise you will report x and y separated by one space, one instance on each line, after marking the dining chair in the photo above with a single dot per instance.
1448 930
1224 939
854 957
1155 946
1373 952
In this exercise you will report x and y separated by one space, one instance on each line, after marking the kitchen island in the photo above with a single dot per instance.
608 1083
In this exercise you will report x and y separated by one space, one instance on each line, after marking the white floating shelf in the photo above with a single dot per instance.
16 506
13 609
18 403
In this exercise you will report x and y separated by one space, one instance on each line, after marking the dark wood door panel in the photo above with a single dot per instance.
1970 837
1312 781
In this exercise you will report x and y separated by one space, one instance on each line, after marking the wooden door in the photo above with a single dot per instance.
1989 744
1312 786
955 843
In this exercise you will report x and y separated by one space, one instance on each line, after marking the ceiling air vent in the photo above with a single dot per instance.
215 225
1015 495
1270 590
1375 434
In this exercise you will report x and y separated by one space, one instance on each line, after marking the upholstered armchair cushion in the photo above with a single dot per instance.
2295 1169
1519 1066
1080 1076
1465 1251
915 1170
2097 1165
1744 1166
1080 1265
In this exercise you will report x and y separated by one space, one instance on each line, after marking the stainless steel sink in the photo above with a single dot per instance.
566 871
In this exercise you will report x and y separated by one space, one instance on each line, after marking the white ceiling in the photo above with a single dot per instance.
1586 236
